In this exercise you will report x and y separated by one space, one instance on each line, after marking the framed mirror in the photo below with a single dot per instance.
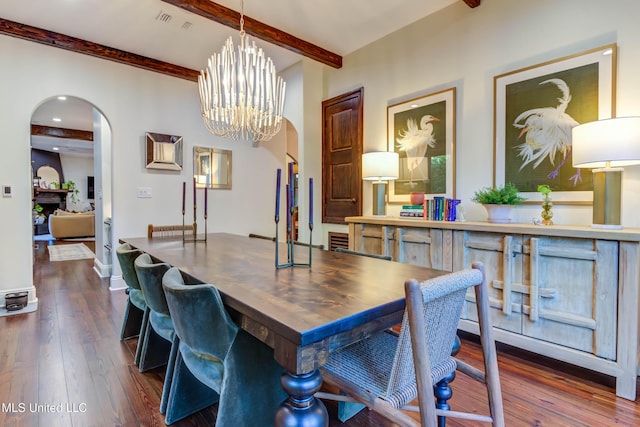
164 151
212 167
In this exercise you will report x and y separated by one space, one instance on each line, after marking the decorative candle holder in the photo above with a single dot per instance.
195 210
291 205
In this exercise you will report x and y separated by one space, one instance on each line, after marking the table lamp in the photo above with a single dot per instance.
607 145
379 166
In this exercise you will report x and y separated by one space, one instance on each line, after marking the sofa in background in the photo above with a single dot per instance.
64 224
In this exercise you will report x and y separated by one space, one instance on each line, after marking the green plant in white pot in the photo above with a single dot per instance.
73 191
499 201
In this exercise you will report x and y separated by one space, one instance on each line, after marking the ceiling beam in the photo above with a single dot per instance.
229 17
62 41
472 3
83 135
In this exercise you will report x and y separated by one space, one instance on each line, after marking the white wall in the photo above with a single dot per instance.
466 48
133 101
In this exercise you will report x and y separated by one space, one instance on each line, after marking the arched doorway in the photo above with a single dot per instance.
71 140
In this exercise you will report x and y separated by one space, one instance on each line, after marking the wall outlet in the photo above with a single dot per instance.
144 192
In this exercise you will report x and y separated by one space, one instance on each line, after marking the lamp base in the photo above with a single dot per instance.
607 198
380 198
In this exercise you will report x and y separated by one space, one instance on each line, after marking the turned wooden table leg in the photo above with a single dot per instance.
301 408
442 391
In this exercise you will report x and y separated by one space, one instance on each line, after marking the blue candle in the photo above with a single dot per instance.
288 209
310 201
279 173
184 190
291 189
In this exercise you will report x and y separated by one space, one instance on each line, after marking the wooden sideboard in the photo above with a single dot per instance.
567 292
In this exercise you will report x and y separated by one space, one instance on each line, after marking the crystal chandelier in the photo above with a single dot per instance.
241 97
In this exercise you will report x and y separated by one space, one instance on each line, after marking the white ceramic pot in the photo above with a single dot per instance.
499 214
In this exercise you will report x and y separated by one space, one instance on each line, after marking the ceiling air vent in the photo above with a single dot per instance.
186 25
163 17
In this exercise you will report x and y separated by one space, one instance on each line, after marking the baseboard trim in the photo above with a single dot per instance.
117 283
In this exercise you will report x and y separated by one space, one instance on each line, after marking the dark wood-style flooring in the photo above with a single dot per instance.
65 365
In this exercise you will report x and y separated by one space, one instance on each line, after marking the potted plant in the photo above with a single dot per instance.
499 201
73 191
38 216
546 214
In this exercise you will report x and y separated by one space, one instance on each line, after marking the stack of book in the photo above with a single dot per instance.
435 209
412 211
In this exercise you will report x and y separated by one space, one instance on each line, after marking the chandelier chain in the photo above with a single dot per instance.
242 19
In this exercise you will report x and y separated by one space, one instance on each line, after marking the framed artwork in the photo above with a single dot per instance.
535 109
163 151
212 167
422 132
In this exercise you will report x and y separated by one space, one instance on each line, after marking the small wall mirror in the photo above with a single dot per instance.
212 167
164 151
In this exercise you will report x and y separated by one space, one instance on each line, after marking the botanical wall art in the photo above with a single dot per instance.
535 110
422 132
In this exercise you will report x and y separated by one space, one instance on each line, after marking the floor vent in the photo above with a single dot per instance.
338 240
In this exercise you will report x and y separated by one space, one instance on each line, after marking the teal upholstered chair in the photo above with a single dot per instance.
217 361
132 323
159 333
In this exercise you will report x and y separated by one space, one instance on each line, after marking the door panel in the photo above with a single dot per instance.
571 289
341 157
502 259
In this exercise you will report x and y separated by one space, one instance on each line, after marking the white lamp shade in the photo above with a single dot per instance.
380 166
616 141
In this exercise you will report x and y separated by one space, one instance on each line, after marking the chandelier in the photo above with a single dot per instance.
241 97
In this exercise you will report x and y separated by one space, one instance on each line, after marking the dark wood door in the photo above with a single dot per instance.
341 157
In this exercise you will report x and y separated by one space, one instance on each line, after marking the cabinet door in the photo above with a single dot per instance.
427 247
502 259
374 239
573 297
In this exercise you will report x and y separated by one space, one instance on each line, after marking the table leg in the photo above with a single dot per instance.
301 408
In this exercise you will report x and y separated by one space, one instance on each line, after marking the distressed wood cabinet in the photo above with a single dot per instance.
566 292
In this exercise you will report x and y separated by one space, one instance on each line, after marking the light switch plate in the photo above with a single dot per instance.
144 192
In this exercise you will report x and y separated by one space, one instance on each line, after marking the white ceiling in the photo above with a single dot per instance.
340 26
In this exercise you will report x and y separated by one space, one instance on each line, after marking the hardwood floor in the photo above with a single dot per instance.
64 365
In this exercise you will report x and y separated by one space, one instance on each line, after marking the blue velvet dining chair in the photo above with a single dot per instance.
159 333
132 324
217 361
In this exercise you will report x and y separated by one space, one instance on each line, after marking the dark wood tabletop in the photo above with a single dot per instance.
303 313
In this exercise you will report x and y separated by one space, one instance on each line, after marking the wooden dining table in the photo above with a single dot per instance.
302 312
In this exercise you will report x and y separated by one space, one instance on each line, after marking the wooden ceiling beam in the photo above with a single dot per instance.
472 3
62 41
229 17
83 135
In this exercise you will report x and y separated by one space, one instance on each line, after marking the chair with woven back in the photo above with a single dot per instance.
386 372
170 231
